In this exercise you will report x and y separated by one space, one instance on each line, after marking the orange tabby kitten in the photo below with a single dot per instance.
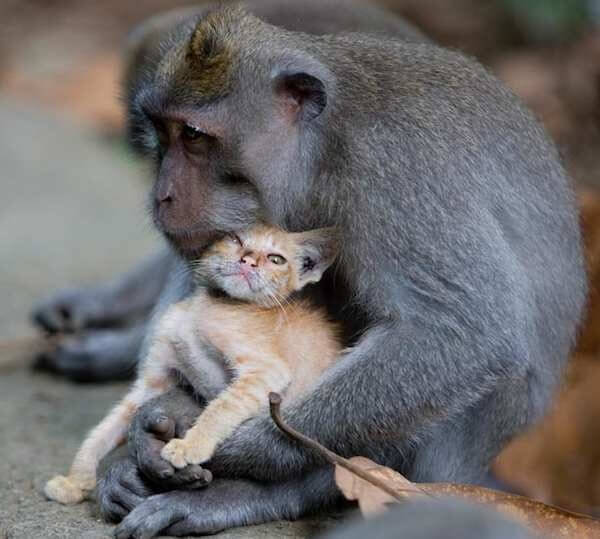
270 341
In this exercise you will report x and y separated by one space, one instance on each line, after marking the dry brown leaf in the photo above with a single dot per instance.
546 520
371 499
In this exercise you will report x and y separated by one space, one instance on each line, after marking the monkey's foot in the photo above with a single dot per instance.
181 452
66 490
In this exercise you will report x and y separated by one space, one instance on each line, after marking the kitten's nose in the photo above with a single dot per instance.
249 260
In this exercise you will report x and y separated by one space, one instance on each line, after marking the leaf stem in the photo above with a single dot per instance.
330 456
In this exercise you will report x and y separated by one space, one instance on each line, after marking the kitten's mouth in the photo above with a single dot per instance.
245 276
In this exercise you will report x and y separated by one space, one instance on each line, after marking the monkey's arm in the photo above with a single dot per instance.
375 394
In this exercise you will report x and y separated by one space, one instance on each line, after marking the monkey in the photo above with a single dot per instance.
107 323
460 275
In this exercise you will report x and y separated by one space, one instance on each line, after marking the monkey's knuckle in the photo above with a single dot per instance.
129 477
151 415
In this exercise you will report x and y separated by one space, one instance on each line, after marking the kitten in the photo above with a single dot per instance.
245 311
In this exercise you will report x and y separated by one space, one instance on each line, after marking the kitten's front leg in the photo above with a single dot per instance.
111 431
81 479
243 399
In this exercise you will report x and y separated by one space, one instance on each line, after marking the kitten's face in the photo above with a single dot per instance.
263 264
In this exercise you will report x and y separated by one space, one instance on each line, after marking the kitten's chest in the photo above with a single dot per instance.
238 335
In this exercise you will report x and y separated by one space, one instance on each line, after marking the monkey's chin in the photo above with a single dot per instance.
189 245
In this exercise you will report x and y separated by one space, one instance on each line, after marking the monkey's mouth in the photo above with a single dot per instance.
189 244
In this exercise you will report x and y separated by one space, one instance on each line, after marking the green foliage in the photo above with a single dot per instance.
549 19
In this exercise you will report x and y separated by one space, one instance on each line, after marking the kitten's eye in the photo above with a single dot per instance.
277 259
235 238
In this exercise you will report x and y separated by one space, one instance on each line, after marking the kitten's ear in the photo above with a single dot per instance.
317 249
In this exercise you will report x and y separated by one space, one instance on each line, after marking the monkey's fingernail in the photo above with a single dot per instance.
165 474
162 424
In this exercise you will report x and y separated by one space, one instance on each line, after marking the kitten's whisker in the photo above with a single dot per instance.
182 271
274 297
272 294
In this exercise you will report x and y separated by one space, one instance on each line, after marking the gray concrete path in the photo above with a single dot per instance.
71 212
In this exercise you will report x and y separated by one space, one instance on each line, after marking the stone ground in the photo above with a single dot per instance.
65 199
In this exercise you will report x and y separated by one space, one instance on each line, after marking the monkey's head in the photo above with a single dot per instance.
230 109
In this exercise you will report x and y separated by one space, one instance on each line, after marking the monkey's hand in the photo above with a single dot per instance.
197 512
122 489
69 311
156 423
95 355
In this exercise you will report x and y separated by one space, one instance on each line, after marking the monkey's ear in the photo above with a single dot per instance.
317 250
301 94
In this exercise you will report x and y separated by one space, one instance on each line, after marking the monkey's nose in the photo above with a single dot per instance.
164 194
164 198
249 260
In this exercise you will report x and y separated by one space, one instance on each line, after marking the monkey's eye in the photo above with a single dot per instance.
276 259
195 141
162 135
192 134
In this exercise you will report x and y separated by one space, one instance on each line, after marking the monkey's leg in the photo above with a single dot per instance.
241 400
226 504
461 449
112 430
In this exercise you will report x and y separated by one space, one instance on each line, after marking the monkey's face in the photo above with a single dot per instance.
231 130
198 195
218 172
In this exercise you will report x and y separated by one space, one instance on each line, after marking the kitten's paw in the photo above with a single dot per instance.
180 453
64 490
